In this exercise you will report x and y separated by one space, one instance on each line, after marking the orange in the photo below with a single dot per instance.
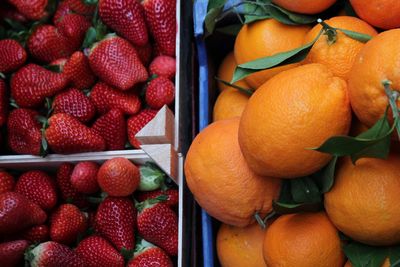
305 6
383 14
302 240
376 62
240 246
296 110
266 38
229 104
340 55
364 201
220 179
225 73
386 263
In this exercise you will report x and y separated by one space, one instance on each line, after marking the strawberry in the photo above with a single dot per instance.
78 71
12 55
66 135
158 224
73 27
17 213
38 187
24 136
137 122
67 223
74 103
37 234
118 177
79 7
112 127
3 102
105 98
172 196
33 83
125 17
115 61
10 12
33 10
84 177
159 92
145 53
115 220
161 19
96 251
53 254
7 182
12 253
148 255
68 193
163 66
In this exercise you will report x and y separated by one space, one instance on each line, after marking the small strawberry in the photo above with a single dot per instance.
17 213
37 234
159 92
7 182
74 103
84 177
118 177
53 254
96 251
32 84
148 255
126 17
158 224
112 127
164 66
105 98
66 135
33 10
24 136
115 61
12 55
38 187
78 71
67 223
161 19
172 196
73 27
145 53
137 122
115 220
12 253
68 193
3 102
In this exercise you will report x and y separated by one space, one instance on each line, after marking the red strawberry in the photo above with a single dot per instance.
163 66
73 27
12 253
17 213
112 127
105 98
158 224
172 196
148 255
3 102
115 61
161 19
37 234
84 177
33 83
10 12
24 136
12 55
96 251
137 122
145 53
79 7
74 103
115 220
126 17
68 135
53 254
159 92
33 9
38 187
7 182
78 71
67 223
68 193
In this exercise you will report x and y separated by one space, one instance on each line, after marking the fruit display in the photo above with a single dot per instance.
297 156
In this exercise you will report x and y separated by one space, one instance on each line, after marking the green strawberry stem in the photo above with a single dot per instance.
151 178
141 246
148 203
127 254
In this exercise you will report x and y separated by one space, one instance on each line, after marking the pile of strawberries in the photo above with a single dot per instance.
83 75
116 214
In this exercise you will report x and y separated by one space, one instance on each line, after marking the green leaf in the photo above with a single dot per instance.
215 4
361 255
326 177
230 30
254 12
290 18
211 19
246 91
361 37
305 190
288 208
90 37
394 256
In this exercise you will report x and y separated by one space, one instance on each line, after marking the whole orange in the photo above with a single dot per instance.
229 104
340 55
305 6
266 38
294 111
303 240
220 180
376 62
386 263
364 201
383 14
225 73
240 246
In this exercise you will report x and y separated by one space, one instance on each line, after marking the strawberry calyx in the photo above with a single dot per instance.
29 255
149 203
95 33
151 177
141 247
